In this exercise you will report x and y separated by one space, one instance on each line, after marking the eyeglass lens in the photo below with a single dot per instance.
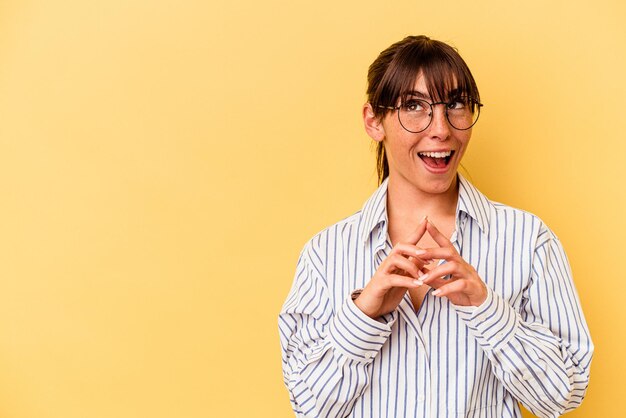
415 114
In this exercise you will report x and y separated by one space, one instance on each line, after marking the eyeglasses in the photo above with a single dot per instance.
416 115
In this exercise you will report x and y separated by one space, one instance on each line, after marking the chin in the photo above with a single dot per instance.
438 186
425 182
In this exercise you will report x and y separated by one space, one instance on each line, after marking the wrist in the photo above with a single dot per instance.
358 302
356 293
483 297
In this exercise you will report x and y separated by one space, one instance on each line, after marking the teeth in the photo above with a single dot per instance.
436 154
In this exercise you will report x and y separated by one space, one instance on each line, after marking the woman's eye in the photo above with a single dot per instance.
414 106
456 104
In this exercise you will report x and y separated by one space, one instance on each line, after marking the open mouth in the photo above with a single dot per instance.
436 159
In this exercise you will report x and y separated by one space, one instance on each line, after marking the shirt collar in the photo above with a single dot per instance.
374 211
474 203
471 201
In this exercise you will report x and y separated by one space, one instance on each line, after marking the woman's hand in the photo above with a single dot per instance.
397 273
464 287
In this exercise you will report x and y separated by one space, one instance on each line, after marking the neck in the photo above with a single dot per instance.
407 205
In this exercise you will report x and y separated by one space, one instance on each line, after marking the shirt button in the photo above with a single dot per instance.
526 376
500 335
368 354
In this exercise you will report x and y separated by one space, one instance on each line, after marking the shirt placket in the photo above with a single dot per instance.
421 382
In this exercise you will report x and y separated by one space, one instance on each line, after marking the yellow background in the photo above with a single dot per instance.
163 162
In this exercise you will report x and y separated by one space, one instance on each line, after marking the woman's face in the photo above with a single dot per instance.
407 153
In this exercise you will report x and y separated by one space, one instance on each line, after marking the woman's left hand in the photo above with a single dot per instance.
464 287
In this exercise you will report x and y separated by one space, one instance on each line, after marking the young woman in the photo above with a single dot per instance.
432 300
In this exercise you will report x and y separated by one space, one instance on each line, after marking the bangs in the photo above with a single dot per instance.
445 74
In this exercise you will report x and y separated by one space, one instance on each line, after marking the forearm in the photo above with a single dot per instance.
535 365
326 368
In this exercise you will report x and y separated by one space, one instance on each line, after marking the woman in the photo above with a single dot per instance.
431 301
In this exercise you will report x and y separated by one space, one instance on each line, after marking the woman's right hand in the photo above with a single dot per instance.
395 275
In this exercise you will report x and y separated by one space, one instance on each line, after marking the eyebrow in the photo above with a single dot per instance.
451 94
418 94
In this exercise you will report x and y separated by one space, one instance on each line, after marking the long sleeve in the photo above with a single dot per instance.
326 353
542 352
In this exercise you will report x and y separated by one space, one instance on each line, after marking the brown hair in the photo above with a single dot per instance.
392 75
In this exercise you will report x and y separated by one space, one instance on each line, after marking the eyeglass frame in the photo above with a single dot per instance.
432 112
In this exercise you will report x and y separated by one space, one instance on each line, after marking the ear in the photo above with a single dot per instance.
373 125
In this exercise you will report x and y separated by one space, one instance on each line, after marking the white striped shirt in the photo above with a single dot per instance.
527 342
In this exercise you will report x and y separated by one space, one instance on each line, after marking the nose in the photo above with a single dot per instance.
439 126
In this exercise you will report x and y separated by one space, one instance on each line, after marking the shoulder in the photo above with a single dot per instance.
521 222
502 219
502 211
327 240
344 239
